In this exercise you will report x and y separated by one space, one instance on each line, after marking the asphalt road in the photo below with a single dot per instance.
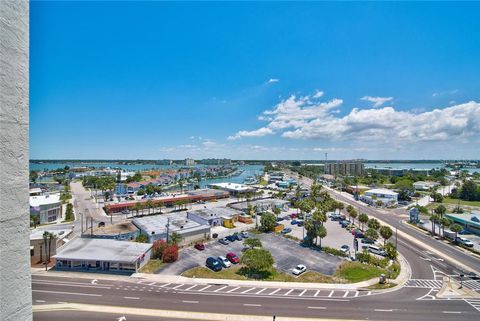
398 305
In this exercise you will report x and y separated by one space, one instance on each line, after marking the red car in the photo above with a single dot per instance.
200 246
293 215
232 257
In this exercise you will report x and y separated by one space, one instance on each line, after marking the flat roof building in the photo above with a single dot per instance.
47 207
261 205
215 216
84 254
469 221
377 195
232 188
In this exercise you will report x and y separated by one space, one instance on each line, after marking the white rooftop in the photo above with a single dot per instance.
59 234
381 191
102 250
35 190
233 186
47 199
157 224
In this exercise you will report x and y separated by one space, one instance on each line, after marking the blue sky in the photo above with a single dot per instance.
254 80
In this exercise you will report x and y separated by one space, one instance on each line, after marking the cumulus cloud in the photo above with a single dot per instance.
273 80
318 94
300 118
377 101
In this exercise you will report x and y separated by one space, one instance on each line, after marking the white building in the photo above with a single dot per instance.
424 186
233 188
189 162
386 196
47 207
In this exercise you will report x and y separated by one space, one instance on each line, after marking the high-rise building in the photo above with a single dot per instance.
345 168
189 162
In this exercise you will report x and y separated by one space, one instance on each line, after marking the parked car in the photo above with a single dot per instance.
293 215
200 246
231 238
293 222
299 269
244 234
279 219
237 236
224 262
286 230
376 250
344 248
223 241
464 232
358 234
368 241
213 264
300 223
345 224
465 242
232 257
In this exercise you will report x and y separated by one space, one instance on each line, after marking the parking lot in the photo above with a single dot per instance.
287 254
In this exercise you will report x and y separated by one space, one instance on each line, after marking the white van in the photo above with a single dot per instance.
376 250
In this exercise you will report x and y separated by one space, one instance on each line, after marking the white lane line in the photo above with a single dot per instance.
219 289
369 293
319 308
74 285
61 302
290 297
383 310
233 289
346 293
40 301
288 292
316 293
302 292
153 283
356 293
185 301
205 288
178 286
248 290
252 305
72 293
165 285
258 292
331 293
274 292
188 289
131 297
452 312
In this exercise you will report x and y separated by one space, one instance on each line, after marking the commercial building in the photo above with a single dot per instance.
215 216
424 186
385 196
470 221
400 171
37 243
157 227
119 231
47 207
345 168
84 254
189 162
233 188
261 205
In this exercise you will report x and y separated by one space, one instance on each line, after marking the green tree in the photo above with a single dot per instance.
456 228
276 211
371 234
149 205
268 221
441 210
252 242
321 233
175 238
386 233
142 238
391 251
258 260
353 215
434 218
373 224
363 218
69 212
33 176
446 222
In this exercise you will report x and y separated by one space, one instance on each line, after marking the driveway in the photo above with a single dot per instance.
287 254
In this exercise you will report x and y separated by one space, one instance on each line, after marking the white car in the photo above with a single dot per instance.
299 269
464 241
224 262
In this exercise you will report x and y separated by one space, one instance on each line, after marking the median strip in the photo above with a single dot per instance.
68 293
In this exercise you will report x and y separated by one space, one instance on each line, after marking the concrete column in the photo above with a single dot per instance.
15 281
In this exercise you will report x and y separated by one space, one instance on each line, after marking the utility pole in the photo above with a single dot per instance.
168 228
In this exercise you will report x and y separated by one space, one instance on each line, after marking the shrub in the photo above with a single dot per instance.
170 254
333 251
158 247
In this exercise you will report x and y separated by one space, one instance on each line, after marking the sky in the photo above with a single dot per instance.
155 80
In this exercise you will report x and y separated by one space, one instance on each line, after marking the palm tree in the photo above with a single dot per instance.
456 228
446 222
175 238
373 223
386 233
434 219
149 205
354 215
137 207
363 218
321 233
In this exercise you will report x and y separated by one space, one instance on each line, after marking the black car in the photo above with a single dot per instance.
213 264
231 238
368 241
237 236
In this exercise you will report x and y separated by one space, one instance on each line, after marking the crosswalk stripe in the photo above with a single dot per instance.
219 289
233 289
248 290
331 293
316 293
302 292
274 292
346 293
258 292
188 289
288 292
205 288
178 286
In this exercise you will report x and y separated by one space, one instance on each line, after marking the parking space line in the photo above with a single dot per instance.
248 290
258 292
346 293
178 286
165 285
331 293
233 289
219 289
274 292
316 293
188 289
288 292
204 288
302 292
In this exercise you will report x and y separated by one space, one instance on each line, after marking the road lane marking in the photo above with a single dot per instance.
356 293
233 289
248 290
153 283
61 302
186 301
346 293
252 305
319 308
331 293
383 310
274 292
165 285
316 293
452 312
73 285
40 301
290 297
131 297
178 286
72 293
204 288
219 289
188 289
288 292
302 292
258 292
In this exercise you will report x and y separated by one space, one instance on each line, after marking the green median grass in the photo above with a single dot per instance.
354 272
152 266
454 201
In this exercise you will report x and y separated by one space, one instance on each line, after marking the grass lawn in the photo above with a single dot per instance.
152 266
356 272
454 201
379 286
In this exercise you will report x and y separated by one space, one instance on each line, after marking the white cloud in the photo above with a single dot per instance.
447 92
273 80
318 94
254 133
377 101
